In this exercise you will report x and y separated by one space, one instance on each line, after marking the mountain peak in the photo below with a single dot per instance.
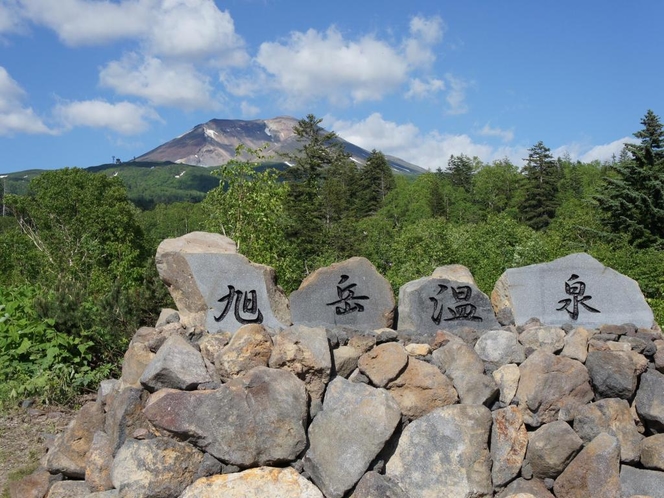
213 143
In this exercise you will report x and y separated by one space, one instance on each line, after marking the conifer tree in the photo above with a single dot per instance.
541 178
633 196
375 182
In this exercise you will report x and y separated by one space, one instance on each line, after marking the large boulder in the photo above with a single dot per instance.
257 419
509 440
68 453
351 293
551 448
575 289
648 401
250 347
217 289
305 351
612 416
612 374
445 454
263 481
354 425
420 388
177 365
159 468
550 384
594 472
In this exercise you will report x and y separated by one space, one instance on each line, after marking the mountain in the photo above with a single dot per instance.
213 143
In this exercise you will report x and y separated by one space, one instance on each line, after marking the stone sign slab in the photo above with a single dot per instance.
430 304
218 289
576 289
351 293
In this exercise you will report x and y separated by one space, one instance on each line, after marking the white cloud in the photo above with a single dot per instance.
124 117
166 28
428 150
425 33
456 96
14 117
324 65
10 17
605 152
504 135
162 83
248 110
422 89
588 153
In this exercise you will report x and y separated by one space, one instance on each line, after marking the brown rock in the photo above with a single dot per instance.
652 452
67 456
99 462
420 388
69 489
509 440
549 384
137 357
383 363
250 346
594 472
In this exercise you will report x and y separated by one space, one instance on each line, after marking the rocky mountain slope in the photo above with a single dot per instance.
214 143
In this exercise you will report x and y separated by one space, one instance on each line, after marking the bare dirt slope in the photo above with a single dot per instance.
24 437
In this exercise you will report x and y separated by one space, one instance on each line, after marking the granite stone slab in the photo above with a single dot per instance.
351 293
576 289
430 304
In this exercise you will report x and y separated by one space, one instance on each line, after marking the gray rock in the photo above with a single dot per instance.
356 422
159 467
304 351
549 339
550 292
551 387
612 416
476 389
420 388
124 414
507 379
499 347
98 463
68 453
345 360
375 485
350 293
177 365
509 440
383 363
431 304
217 289
576 344
111 493
612 374
445 454
457 358
69 489
250 346
641 482
257 419
106 387
652 452
254 483
594 472
167 315
648 401
551 448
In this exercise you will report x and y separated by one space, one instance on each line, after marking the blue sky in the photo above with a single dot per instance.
82 81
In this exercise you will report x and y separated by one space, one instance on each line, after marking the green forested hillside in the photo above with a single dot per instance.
77 274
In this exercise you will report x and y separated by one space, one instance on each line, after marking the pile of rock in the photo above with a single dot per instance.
513 410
